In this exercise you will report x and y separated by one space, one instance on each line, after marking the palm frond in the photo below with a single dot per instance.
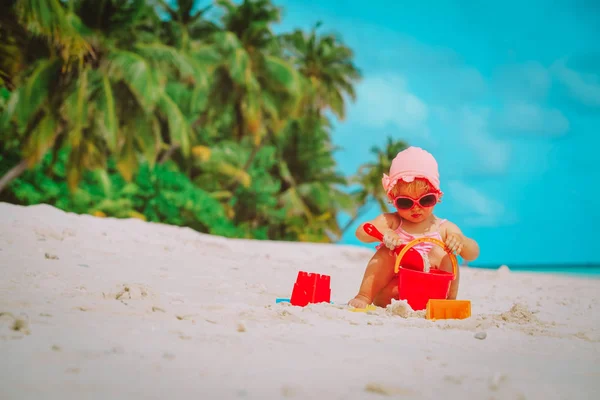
179 130
36 91
158 52
106 113
41 139
144 82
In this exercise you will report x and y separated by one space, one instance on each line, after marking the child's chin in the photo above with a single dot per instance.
420 218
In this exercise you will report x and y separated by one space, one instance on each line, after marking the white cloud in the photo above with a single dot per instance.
530 80
437 69
440 69
434 94
523 87
479 209
385 100
584 87
524 117
492 154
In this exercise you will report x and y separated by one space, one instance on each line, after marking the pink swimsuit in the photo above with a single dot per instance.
423 248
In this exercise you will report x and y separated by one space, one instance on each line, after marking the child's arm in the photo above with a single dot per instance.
383 222
456 239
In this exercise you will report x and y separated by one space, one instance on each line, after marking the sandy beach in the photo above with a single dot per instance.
96 308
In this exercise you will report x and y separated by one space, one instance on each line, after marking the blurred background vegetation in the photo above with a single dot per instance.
187 113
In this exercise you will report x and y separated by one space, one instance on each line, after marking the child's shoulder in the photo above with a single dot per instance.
446 225
392 219
439 221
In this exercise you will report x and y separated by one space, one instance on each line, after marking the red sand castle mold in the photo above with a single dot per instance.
311 288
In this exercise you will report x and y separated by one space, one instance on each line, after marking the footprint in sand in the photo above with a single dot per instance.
132 291
14 327
388 390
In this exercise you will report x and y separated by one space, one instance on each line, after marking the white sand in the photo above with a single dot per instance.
199 321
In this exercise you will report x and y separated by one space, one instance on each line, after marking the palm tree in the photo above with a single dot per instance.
312 187
239 112
252 83
110 100
26 30
186 23
254 91
311 184
188 30
328 66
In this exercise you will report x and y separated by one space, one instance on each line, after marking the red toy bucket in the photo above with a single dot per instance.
417 287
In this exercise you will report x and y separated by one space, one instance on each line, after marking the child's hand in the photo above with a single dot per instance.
391 240
455 242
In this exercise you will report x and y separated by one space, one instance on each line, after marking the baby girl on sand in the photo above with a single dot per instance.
413 186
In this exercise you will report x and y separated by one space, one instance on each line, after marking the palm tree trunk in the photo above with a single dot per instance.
168 154
252 156
13 174
239 117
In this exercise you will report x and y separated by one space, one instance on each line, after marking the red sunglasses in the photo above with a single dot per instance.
425 201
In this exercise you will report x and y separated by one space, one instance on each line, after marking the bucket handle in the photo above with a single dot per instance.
414 242
371 230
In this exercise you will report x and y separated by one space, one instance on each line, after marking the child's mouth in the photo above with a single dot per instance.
416 215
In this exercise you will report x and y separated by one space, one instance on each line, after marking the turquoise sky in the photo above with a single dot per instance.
506 95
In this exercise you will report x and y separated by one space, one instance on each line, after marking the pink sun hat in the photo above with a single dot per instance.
409 164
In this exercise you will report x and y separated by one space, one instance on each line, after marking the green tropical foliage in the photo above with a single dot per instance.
188 113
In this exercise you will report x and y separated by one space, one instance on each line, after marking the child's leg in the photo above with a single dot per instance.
378 274
446 265
385 296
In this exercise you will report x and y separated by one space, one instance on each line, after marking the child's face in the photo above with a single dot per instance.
417 213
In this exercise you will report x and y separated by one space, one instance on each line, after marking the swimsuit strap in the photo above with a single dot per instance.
425 247
437 223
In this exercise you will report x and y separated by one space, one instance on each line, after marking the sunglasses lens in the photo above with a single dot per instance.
404 204
428 201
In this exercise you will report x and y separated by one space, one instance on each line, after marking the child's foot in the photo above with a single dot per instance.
359 302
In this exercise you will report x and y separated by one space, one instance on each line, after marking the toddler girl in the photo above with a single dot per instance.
413 186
